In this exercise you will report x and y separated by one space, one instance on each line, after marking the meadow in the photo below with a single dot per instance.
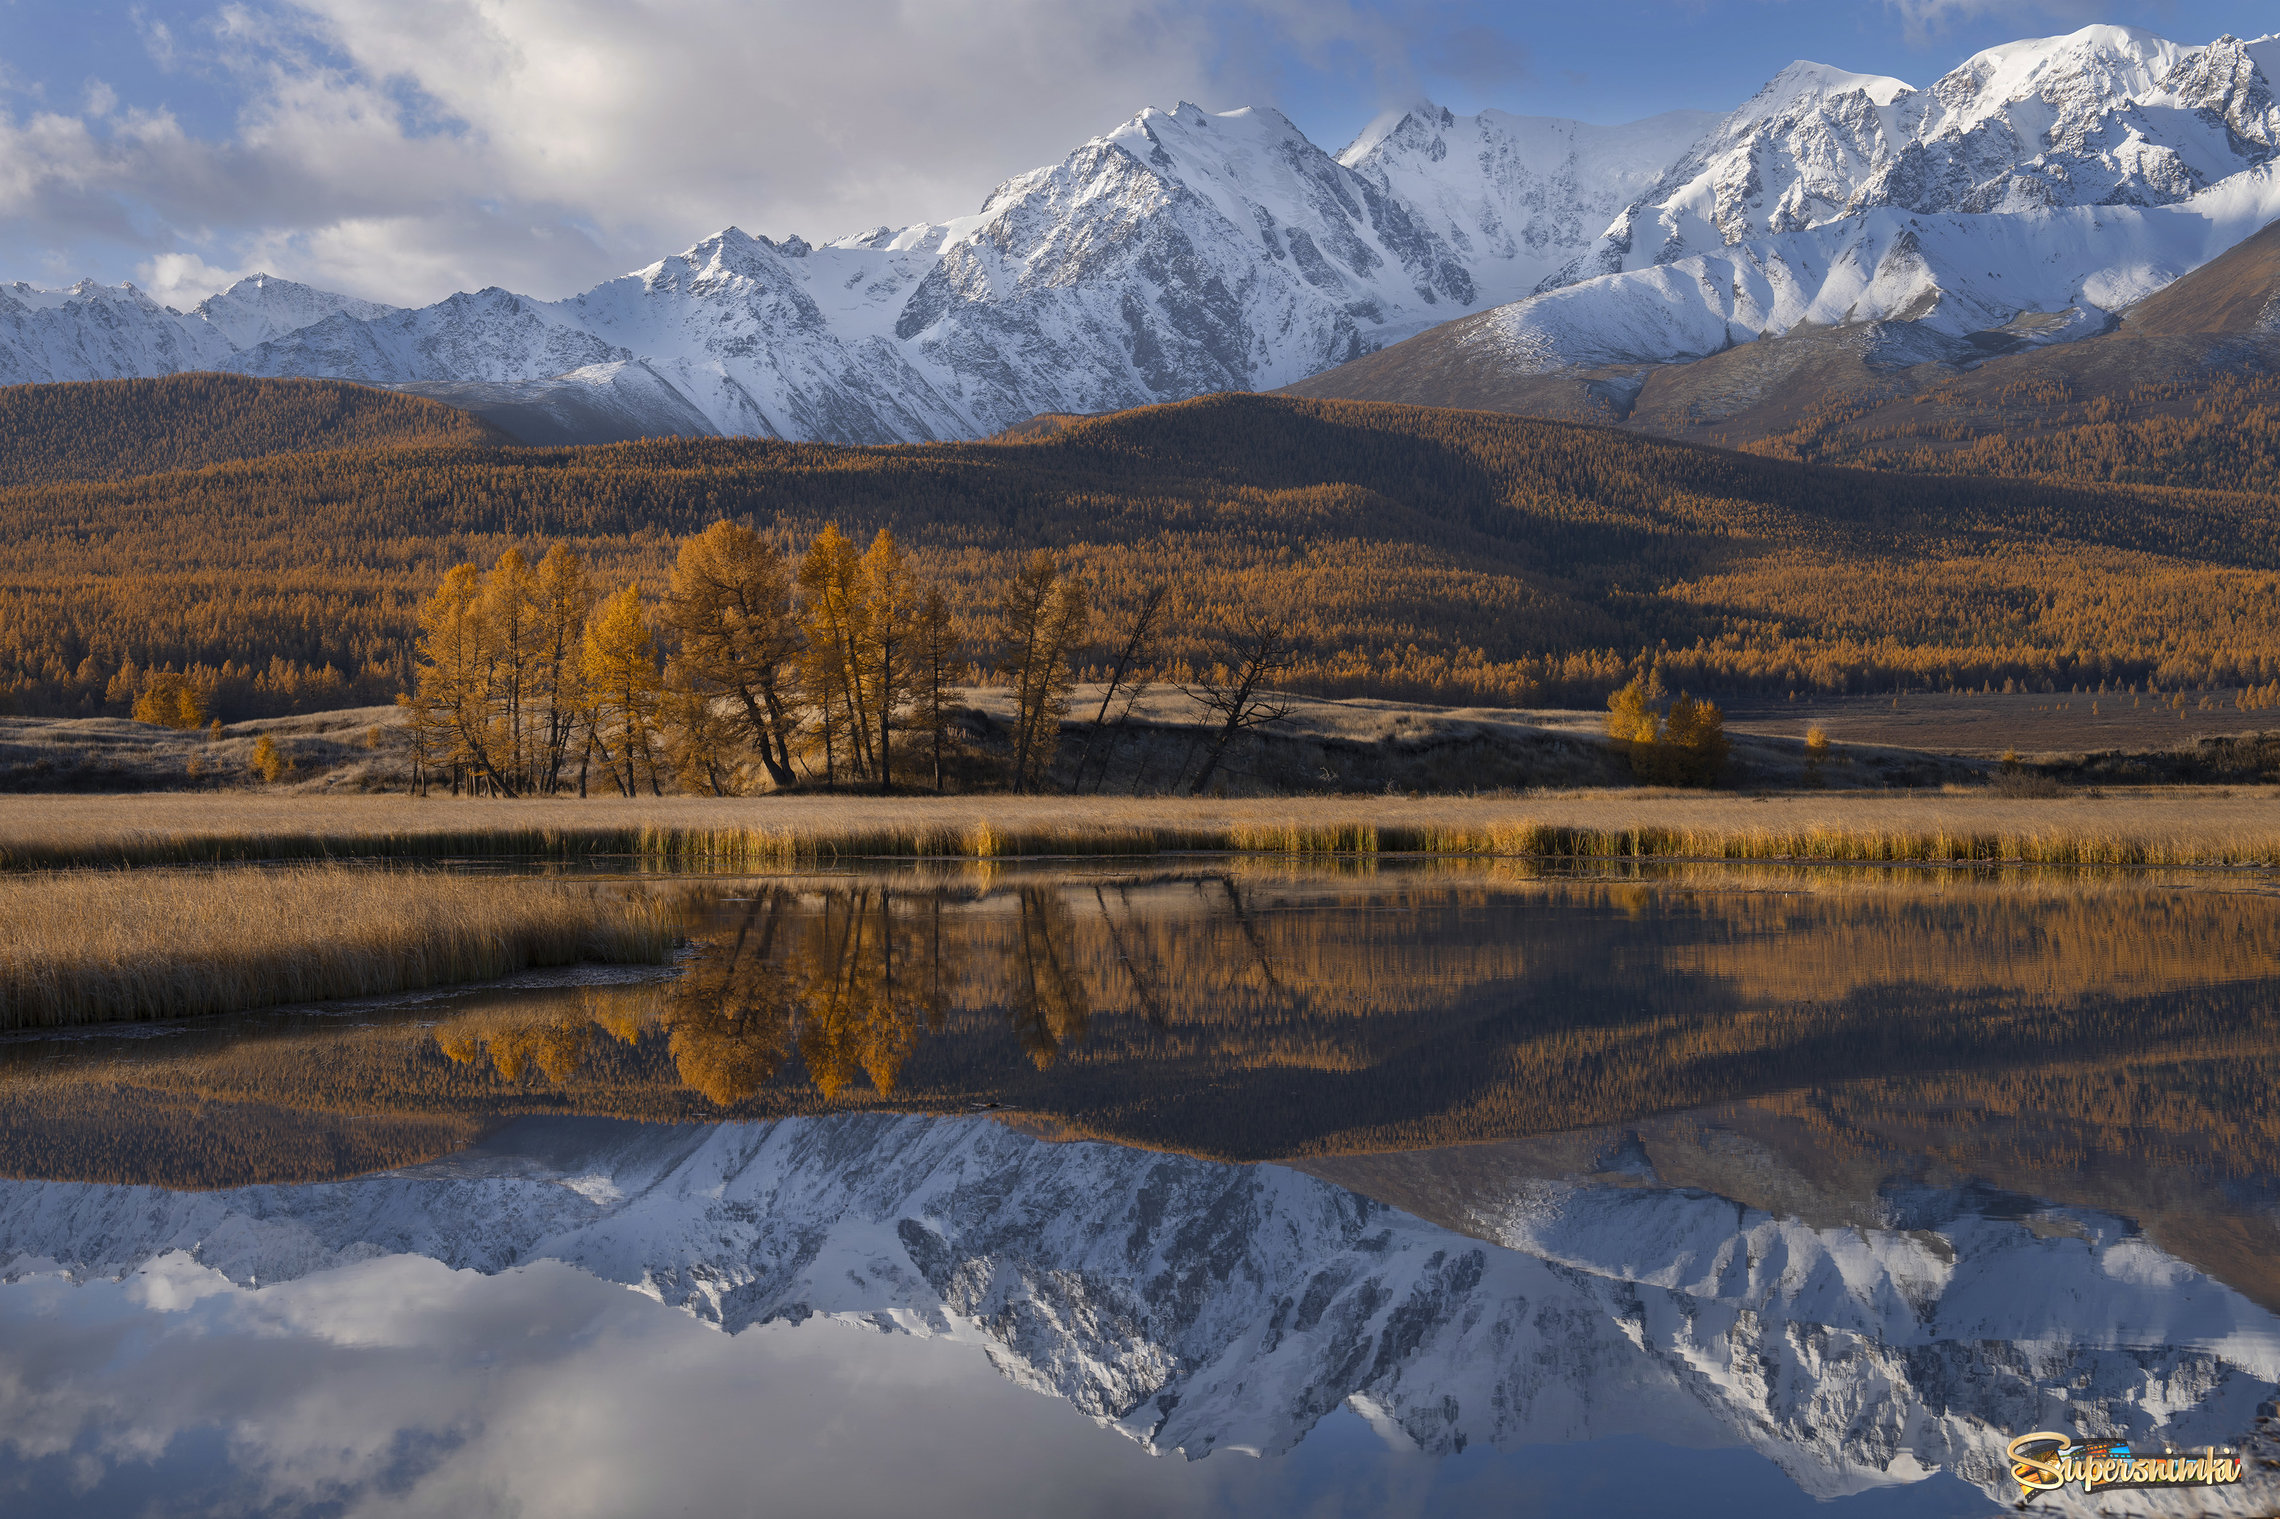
2168 826
111 946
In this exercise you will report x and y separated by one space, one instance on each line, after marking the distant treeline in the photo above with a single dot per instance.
1405 553
118 429
2222 434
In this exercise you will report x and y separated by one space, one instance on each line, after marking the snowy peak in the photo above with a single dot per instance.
97 332
262 306
1805 85
1186 251
1417 123
1195 1306
729 254
1515 198
2097 63
2107 115
492 335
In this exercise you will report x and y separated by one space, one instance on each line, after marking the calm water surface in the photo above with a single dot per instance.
1199 1189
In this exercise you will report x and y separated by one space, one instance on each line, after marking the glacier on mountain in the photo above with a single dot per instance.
1197 1306
2039 186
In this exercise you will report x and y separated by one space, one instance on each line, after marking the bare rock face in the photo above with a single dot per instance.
1197 1306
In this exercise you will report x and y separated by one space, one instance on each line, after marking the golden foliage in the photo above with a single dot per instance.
1684 746
2220 434
1438 556
268 762
117 429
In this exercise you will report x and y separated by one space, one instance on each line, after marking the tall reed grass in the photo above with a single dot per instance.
99 947
2169 829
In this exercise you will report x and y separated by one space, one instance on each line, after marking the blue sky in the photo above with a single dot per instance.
403 149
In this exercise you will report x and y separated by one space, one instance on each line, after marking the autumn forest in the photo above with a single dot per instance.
285 543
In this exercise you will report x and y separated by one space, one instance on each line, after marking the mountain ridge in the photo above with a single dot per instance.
2026 196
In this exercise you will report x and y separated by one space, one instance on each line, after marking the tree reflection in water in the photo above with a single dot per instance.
1049 1009
1251 1013
848 980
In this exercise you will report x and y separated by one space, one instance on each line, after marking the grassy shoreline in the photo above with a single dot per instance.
2167 827
88 947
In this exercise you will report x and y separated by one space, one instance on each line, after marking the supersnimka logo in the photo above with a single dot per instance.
2047 1460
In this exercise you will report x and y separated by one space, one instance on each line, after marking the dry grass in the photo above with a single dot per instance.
99 947
2167 826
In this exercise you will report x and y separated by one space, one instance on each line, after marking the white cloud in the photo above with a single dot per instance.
1925 17
400 149
182 280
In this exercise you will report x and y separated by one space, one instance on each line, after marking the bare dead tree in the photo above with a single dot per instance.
1259 651
1134 658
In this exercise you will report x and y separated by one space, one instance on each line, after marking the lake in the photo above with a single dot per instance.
1188 1187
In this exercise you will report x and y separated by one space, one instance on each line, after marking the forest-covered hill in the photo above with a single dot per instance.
118 429
1417 554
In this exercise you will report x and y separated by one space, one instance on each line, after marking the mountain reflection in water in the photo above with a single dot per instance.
1736 1191
1568 1319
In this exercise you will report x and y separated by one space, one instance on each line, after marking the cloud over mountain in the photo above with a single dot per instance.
402 149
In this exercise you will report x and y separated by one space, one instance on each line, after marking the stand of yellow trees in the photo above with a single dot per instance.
1683 745
834 668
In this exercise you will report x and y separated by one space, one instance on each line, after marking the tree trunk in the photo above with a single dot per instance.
768 727
886 705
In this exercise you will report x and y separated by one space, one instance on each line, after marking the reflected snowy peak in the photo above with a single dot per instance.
1200 1307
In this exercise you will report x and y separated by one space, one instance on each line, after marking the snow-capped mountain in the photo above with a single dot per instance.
781 339
2058 179
490 335
98 332
1182 253
1545 188
2042 276
2107 116
262 306
2032 192
1197 1306
114 332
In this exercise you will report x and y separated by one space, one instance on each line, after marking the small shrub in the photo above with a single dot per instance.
268 762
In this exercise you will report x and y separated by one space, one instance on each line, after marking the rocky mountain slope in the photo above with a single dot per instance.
1180 254
2207 332
1197 1306
2107 116
2027 199
2022 199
